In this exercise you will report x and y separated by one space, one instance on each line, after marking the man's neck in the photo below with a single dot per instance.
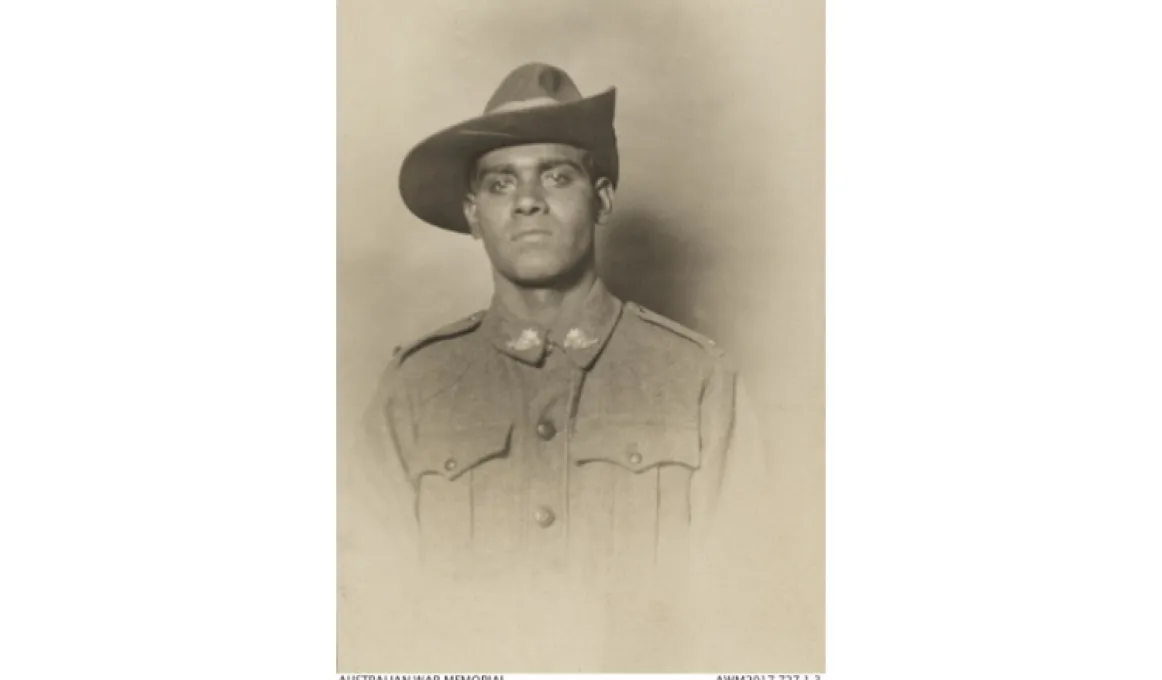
544 306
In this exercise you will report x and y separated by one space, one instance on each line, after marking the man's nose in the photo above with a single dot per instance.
529 200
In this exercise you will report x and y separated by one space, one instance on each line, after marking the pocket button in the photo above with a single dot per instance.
546 430
544 516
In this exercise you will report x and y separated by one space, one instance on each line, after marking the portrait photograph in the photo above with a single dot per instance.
580 336
508 339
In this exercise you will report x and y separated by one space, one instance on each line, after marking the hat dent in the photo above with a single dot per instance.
534 82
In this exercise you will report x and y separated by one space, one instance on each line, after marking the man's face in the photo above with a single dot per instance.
535 207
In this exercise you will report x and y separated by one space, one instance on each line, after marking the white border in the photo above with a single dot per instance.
168 280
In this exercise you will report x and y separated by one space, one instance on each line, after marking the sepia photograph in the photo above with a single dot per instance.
501 339
580 336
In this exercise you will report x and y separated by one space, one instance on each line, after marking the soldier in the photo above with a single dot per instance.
561 431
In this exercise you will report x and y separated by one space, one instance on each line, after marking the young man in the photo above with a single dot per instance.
561 431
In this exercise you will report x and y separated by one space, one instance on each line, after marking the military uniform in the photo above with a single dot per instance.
607 452
599 444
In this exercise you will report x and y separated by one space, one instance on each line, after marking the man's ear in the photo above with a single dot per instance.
603 189
470 215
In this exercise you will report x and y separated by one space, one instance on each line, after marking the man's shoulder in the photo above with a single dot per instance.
669 341
436 352
439 339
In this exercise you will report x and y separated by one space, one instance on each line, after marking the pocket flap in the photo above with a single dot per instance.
451 453
636 447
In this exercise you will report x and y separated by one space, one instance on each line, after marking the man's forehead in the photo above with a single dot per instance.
530 155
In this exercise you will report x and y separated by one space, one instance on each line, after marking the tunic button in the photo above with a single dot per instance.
546 430
449 465
544 516
635 458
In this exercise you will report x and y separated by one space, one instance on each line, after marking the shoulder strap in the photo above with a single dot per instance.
674 327
454 329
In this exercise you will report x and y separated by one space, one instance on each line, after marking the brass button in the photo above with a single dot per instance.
449 465
635 458
544 516
546 430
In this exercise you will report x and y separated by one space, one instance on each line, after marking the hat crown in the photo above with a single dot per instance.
533 85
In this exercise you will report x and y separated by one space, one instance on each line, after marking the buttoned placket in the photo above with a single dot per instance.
549 396
545 372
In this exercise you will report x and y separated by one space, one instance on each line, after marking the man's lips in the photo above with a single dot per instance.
532 235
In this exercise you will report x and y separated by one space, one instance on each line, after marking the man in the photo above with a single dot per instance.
562 434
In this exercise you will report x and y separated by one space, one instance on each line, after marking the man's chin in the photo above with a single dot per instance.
539 279
541 276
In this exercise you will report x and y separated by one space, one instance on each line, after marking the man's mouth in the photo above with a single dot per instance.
532 235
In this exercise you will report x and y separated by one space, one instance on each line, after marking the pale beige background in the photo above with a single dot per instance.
719 220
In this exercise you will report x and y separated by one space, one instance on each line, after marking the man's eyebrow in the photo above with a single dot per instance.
547 164
504 169
551 163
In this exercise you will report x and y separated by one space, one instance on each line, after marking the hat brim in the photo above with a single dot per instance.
433 179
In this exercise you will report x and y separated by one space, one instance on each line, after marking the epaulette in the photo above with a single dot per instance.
452 330
674 327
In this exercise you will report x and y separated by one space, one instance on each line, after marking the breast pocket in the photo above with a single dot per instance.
441 469
635 479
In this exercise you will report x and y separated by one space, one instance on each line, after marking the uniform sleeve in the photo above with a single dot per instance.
733 540
376 530
731 491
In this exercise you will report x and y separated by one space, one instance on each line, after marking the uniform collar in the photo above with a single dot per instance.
581 336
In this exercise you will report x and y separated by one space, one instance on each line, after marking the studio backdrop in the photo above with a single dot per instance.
718 220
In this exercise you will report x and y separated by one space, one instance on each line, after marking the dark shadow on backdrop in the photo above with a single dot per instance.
642 261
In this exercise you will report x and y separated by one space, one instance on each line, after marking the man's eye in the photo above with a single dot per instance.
558 178
499 185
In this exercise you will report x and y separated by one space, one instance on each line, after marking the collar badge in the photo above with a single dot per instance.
579 339
528 340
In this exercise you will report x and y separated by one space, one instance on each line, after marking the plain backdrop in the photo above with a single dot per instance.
718 220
